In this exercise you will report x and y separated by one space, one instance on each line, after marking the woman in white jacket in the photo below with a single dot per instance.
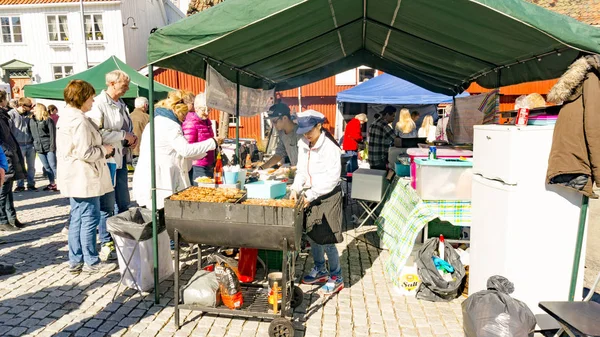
83 176
173 152
317 181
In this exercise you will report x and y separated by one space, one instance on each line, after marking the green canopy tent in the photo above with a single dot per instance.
138 85
442 46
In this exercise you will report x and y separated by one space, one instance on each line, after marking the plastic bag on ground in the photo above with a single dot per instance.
433 286
229 284
141 264
202 289
493 313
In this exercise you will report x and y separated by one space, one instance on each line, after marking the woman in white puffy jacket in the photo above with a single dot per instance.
173 152
317 181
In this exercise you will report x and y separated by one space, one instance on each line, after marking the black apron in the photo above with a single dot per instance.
323 218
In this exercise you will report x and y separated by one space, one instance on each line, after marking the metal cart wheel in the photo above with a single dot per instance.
297 297
281 327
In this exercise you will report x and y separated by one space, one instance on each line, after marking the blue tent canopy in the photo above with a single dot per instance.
388 89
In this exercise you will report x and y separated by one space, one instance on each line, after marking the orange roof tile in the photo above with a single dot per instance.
36 2
587 11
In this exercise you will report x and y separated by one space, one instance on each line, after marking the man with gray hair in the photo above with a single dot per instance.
139 118
111 116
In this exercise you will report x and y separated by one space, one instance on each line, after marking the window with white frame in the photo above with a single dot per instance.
60 71
11 29
58 29
94 28
232 120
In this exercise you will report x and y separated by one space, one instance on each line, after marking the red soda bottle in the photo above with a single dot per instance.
218 173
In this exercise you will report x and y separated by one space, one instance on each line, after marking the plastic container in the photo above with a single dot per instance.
247 264
424 153
542 120
273 259
402 170
242 178
231 178
437 227
444 179
266 190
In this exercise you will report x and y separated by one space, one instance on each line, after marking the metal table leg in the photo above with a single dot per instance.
176 237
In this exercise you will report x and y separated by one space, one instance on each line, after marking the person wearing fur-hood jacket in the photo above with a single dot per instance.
575 156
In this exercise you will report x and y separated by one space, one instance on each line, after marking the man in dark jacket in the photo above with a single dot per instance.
8 214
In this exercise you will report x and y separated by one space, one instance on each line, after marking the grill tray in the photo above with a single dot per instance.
234 224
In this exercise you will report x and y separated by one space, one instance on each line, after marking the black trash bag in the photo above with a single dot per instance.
433 287
134 224
493 313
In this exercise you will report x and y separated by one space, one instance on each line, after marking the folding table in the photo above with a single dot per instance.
369 189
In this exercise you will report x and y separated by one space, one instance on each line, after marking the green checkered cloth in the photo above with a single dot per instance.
402 218
457 213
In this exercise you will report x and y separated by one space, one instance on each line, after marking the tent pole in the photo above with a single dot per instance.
237 117
580 231
153 180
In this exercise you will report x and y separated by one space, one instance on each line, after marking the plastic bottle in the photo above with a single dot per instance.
441 247
248 164
218 172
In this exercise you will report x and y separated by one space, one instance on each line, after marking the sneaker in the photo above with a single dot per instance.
315 276
32 189
333 285
76 269
6 269
101 268
8 228
19 189
107 252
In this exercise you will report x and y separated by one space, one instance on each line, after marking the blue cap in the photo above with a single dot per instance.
308 119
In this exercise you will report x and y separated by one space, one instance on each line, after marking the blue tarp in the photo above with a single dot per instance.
388 89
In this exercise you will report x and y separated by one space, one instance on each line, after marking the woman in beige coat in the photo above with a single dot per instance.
83 176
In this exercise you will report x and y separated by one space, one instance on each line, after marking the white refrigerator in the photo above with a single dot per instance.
521 228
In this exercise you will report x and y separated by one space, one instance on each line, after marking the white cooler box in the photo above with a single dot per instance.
444 179
142 262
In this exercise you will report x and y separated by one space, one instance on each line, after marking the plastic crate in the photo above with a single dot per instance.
438 227
402 170
273 259
266 190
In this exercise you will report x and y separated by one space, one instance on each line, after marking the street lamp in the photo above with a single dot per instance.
127 22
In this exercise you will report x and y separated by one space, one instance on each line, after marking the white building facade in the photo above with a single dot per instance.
47 41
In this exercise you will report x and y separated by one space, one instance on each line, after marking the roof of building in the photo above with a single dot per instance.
587 11
37 2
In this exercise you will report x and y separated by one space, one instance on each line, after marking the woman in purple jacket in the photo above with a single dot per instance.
196 128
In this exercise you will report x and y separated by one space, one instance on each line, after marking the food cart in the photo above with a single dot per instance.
225 217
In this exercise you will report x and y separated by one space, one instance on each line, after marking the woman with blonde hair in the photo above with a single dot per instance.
173 153
427 129
43 132
406 127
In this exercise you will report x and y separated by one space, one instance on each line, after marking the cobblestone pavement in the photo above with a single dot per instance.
43 299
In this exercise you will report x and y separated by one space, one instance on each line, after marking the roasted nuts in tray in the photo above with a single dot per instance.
287 203
207 194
